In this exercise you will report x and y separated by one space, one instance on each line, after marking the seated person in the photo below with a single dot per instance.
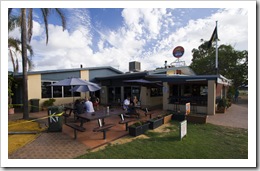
89 106
95 101
135 101
128 105
79 107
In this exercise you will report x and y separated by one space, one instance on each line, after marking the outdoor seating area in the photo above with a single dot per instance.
113 125
92 130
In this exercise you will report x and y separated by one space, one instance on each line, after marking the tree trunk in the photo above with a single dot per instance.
24 58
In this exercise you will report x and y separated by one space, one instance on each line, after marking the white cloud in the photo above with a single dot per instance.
147 35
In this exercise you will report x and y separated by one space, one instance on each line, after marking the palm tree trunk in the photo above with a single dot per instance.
24 58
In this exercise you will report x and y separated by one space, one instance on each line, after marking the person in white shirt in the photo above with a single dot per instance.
89 106
126 103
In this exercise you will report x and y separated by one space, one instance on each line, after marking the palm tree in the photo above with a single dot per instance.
15 44
28 21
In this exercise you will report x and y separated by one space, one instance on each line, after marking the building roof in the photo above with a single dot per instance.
128 75
125 76
71 70
188 78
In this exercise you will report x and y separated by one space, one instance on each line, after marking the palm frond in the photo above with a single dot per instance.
62 16
45 13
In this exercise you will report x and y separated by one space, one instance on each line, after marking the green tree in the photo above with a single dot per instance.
232 64
26 35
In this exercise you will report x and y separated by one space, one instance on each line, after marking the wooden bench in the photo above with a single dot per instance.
103 128
76 128
123 121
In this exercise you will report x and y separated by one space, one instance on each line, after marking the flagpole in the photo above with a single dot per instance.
216 39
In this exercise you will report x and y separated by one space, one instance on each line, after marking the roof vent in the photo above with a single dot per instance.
134 66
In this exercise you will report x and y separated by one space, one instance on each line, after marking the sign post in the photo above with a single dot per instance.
187 108
183 129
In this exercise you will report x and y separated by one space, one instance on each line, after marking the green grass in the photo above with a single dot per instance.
203 141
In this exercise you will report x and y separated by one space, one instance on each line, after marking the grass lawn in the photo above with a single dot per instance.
203 141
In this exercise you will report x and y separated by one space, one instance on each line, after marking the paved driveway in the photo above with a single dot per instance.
236 116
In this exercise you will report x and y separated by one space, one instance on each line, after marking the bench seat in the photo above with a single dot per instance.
76 128
126 123
103 129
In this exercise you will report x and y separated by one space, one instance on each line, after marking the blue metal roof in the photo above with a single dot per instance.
71 70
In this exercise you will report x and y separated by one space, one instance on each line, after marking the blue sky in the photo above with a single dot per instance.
116 36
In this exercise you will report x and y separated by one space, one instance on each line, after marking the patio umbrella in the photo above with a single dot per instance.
70 82
85 88
77 82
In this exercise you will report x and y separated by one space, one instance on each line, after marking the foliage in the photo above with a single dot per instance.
156 118
204 141
232 64
222 103
26 16
139 123
14 45
11 84
48 102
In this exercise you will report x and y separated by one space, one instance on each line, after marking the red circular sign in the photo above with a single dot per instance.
178 51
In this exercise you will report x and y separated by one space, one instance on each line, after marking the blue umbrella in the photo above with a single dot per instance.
85 88
70 82
77 82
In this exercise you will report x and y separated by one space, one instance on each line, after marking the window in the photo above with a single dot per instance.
56 91
157 91
46 90
203 90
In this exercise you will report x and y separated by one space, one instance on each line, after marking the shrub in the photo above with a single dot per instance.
222 103
48 102
139 123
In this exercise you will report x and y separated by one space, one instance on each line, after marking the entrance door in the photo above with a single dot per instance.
132 91
114 95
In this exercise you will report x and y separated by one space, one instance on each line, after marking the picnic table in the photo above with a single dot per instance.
100 116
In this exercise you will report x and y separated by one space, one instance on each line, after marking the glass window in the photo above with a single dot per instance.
46 90
203 90
67 92
57 91
157 91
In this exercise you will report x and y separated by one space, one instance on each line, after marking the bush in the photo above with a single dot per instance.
139 123
222 103
48 103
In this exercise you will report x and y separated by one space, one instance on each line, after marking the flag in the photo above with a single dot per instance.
214 37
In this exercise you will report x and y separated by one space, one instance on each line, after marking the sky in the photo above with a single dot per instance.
96 37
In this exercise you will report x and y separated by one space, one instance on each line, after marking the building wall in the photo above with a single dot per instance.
219 90
211 97
144 96
59 76
84 75
34 86
165 96
100 73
